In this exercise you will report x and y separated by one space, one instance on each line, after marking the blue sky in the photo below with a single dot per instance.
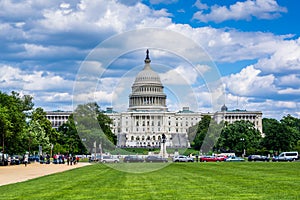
255 45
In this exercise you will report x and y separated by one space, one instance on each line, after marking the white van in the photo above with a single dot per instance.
288 156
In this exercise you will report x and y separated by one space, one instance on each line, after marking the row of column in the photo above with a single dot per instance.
139 101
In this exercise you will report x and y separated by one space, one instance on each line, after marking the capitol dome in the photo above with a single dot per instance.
147 75
147 90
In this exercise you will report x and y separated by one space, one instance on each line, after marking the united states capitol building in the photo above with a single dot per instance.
148 117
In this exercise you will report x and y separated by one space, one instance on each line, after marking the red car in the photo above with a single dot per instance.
211 159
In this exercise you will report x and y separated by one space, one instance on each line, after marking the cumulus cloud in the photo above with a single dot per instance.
249 82
289 80
286 57
260 9
181 75
15 78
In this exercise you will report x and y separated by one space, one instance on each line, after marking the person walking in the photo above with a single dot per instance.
26 159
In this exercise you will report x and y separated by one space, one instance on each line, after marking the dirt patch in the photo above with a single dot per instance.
19 173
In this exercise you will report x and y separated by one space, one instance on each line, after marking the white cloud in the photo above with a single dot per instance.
181 75
163 1
261 9
15 78
286 57
201 6
249 82
290 91
290 79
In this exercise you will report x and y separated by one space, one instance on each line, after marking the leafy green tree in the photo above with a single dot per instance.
292 130
201 132
275 138
69 140
94 126
15 109
39 116
238 136
36 136
5 126
281 135
207 134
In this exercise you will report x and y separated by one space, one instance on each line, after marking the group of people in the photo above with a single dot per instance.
59 159
45 159
72 160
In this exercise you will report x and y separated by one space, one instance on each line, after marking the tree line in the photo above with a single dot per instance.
24 128
242 136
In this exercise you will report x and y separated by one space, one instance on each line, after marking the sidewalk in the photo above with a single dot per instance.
19 173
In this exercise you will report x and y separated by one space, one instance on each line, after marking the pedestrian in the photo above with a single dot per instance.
68 160
41 159
48 159
25 159
71 159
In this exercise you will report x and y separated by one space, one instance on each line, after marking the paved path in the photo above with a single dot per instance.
19 173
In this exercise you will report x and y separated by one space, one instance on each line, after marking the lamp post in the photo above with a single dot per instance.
244 150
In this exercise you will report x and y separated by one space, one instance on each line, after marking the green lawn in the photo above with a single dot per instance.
175 181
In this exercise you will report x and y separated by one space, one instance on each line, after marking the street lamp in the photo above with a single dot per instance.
244 150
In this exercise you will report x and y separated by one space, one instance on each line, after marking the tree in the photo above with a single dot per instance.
94 127
14 109
239 136
69 140
207 134
36 136
39 116
274 138
281 135
292 130
201 131
5 127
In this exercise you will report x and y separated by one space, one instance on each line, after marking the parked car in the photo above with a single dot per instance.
258 158
286 156
234 159
16 160
95 159
109 159
211 159
155 159
33 158
133 159
181 158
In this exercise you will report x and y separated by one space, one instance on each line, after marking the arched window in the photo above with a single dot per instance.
132 138
153 137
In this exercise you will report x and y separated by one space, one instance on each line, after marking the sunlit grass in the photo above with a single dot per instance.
175 181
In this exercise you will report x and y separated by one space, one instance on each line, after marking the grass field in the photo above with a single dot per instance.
176 181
